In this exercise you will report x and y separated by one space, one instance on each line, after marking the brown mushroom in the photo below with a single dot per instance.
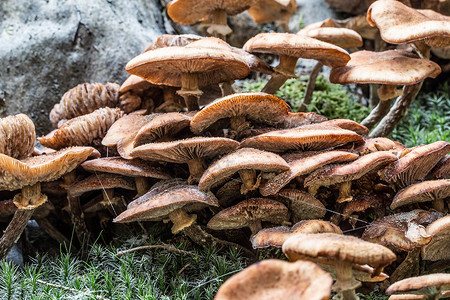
17 136
442 169
278 11
429 285
302 205
437 248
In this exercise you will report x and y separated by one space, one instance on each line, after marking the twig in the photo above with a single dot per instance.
65 288
183 268
166 247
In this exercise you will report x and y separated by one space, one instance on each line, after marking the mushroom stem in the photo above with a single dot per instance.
310 86
142 186
171 102
236 122
409 267
377 114
388 91
76 213
54 233
255 226
219 25
249 180
196 169
189 90
345 282
373 98
181 220
345 192
397 112
284 71
439 205
227 88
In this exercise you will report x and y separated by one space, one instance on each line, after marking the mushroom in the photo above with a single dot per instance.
432 190
437 248
290 47
245 161
379 144
277 279
250 213
429 285
191 151
278 11
201 63
442 169
343 174
302 205
343 251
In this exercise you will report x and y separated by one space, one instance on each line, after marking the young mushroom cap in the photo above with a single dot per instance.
437 248
304 165
246 158
308 137
400 24
421 192
17 136
302 205
428 285
265 11
276 279
135 83
101 181
82 130
342 37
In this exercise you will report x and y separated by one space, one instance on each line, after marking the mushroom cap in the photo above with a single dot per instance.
100 181
342 37
14 174
246 158
84 99
158 188
82 130
308 137
265 11
162 204
442 169
407 297
302 205
378 144
214 64
422 192
437 248
257 106
416 164
17 136
393 67
276 236
428 285
182 151
171 40
126 167
188 12
400 24
392 230
136 83
299 46
276 279
338 247
347 124
304 165
248 211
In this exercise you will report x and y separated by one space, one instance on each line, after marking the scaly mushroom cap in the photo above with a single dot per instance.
298 46
308 137
276 236
170 40
428 285
304 165
241 159
188 12
165 125
342 37
187 197
337 247
82 130
183 151
276 279
403 231
416 164
126 167
400 24
14 174
422 192
84 99
248 211
302 205
442 169
378 144
17 136
437 248
257 106
334 174
100 181
392 67
213 65
265 11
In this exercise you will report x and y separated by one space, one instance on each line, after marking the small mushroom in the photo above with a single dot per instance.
429 285
278 11
302 205
437 248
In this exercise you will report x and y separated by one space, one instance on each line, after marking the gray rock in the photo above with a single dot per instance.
50 46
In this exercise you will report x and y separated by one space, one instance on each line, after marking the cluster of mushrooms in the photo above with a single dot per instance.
176 143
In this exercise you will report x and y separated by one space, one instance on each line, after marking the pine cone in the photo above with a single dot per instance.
17 136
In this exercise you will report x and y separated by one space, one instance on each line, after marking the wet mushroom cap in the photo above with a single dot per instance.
246 158
161 205
185 150
247 211
100 181
257 106
425 284
400 24
422 192
298 46
17 136
126 167
342 37
308 137
276 279
393 67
